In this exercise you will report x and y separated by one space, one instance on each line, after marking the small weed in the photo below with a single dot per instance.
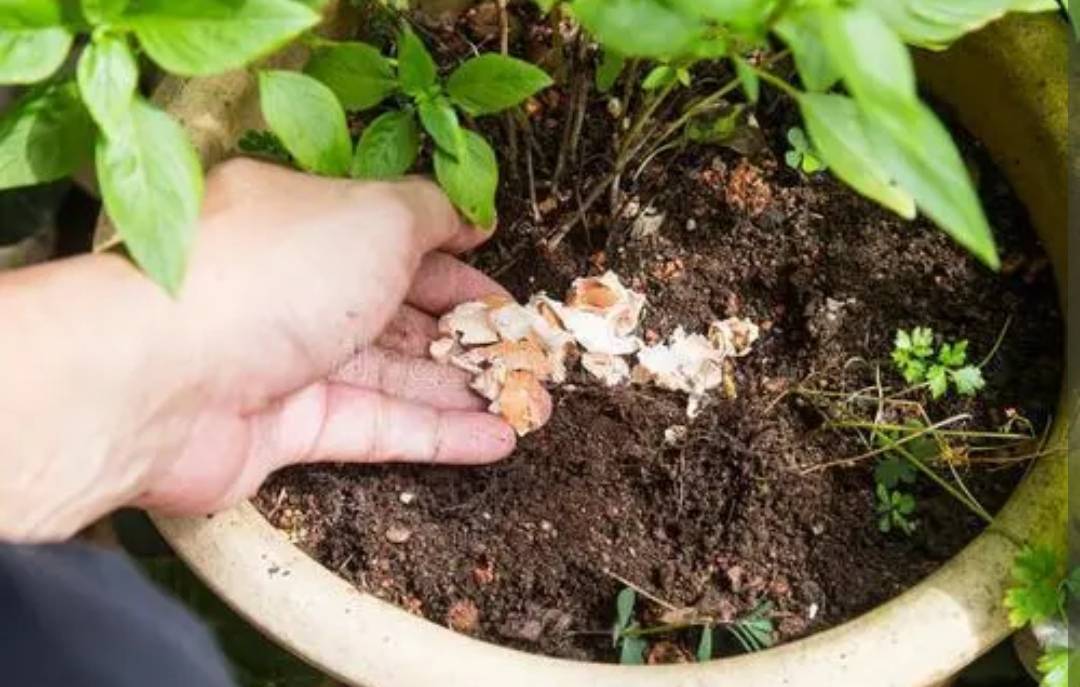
753 632
801 154
913 354
894 510
1042 585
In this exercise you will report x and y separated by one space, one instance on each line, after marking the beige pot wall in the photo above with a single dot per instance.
1007 84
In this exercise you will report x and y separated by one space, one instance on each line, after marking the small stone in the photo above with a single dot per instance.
545 525
463 616
398 534
406 497
675 434
812 611
691 224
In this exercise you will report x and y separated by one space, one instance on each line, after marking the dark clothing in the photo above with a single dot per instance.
74 616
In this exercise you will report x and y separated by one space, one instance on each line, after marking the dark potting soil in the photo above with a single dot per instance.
525 553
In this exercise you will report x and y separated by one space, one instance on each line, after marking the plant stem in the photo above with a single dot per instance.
877 426
630 145
971 505
997 343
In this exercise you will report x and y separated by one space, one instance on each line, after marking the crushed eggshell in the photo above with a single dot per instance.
609 369
511 350
695 363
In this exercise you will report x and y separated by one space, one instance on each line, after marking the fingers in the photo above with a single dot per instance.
365 426
410 332
410 379
443 281
436 222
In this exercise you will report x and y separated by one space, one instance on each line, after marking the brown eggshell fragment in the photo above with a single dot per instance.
523 402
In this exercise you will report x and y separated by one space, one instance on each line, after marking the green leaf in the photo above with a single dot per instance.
46 135
264 144
916 149
632 652
416 67
624 608
891 471
1054 666
968 380
705 645
152 185
639 28
793 159
754 631
440 120
612 64
1035 593
108 76
953 355
811 164
357 73
922 341
801 29
660 76
100 12
309 120
797 138
203 37
388 147
873 61
470 180
491 83
748 78
934 24
28 55
938 381
837 132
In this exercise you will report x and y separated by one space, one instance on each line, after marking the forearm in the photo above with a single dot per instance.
75 351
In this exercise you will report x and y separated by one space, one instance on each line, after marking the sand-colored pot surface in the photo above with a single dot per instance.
1007 84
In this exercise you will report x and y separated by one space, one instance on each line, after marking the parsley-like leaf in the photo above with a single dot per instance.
938 381
967 380
953 355
891 471
1035 595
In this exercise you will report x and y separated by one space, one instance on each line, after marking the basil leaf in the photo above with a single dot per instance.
103 11
388 147
356 72
644 28
748 78
108 76
916 149
836 129
933 24
28 55
801 30
416 67
202 37
44 136
471 180
152 185
490 83
309 120
874 62
441 122
610 69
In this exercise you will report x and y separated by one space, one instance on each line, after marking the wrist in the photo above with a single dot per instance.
75 370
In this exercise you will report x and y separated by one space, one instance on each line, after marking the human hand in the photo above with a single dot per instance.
300 335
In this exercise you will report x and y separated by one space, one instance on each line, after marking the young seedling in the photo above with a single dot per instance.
801 155
913 354
631 647
894 510
1041 588
754 631
307 113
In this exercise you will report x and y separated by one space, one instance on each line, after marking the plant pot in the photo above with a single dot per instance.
1007 85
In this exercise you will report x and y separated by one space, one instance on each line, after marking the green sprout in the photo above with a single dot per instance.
894 509
913 355
801 154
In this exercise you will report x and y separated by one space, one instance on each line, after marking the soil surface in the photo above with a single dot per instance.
526 553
